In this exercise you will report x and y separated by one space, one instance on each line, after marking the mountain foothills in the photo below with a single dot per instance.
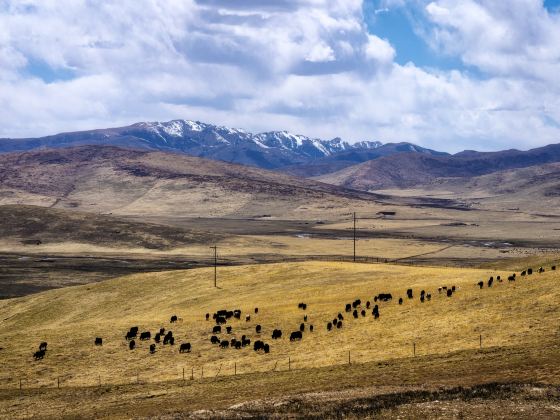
270 150
366 165
413 169
107 179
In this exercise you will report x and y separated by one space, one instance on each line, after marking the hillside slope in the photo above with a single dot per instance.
122 181
412 169
515 320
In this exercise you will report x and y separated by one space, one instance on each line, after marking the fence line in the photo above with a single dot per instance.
345 357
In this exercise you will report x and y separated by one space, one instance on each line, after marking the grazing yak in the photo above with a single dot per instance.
355 313
409 293
541 270
368 304
39 354
256 310
169 339
356 303
152 348
400 301
224 344
214 340
480 284
296 335
145 335
302 327
157 337
258 345
339 324
490 282
311 328
529 271
217 329
221 320
258 329
305 318
340 316
276 334
363 312
132 344
237 314
207 316
185 348
302 306
98 341
329 326
449 292
429 296
348 307
161 331
228 329
245 341
375 312
43 346
247 318
173 318
385 297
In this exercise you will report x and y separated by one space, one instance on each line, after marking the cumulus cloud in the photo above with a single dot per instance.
309 66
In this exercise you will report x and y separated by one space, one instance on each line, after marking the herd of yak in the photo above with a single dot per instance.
222 316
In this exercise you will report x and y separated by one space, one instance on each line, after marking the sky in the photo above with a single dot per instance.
445 74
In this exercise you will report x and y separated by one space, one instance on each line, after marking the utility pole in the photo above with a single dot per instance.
354 237
215 248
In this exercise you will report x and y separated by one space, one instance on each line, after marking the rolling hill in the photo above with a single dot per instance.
413 170
105 179
507 333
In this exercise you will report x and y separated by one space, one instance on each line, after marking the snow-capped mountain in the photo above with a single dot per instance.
270 150
184 133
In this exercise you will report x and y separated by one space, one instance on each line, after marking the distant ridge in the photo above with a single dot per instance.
279 150
413 169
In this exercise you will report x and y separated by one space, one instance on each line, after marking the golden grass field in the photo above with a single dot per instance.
519 315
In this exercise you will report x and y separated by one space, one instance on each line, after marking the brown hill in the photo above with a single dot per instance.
107 179
412 169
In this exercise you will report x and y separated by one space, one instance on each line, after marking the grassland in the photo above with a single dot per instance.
518 322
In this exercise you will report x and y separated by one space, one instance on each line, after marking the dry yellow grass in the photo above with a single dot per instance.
509 314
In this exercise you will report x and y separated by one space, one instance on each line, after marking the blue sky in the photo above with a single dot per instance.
446 74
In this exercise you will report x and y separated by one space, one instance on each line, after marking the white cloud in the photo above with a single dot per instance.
308 66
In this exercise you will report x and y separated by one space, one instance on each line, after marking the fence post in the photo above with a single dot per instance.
349 357
58 382
235 368
480 340
414 349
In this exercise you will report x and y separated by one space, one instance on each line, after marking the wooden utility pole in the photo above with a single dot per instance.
215 248
354 237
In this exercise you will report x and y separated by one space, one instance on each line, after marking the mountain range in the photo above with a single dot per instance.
270 150
366 165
